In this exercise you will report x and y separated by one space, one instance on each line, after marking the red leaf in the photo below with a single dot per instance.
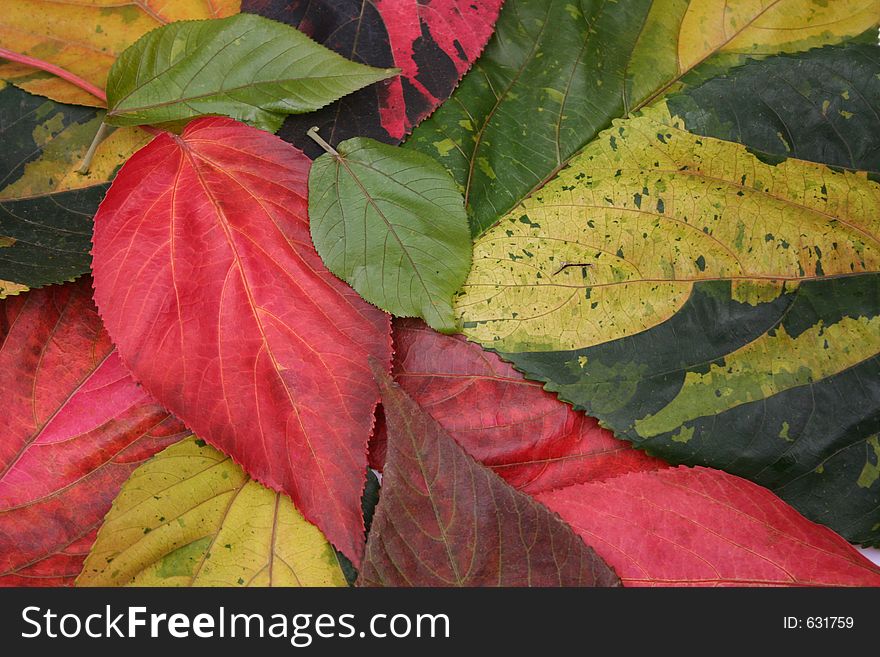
75 426
525 434
207 280
445 520
702 527
434 42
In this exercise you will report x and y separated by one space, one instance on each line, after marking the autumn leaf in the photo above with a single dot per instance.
192 517
85 37
619 239
700 527
75 426
208 283
392 224
445 520
556 74
526 435
46 206
433 42
245 67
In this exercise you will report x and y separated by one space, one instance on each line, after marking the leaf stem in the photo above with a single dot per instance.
101 135
313 133
74 79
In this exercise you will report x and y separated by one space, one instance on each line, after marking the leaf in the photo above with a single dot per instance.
191 517
700 527
46 206
245 67
85 37
527 436
433 42
647 210
720 311
543 90
208 283
75 426
445 520
782 420
822 105
393 225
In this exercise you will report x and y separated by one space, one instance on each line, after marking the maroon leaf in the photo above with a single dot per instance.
434 42
75 426
534 441
207 280
702 527
445 520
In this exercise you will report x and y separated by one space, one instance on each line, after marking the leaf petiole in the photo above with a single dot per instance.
313 133
103 132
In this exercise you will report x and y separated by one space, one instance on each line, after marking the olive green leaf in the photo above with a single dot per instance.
392 224
246 67
704 304
822 105
558 71
46 207
191 517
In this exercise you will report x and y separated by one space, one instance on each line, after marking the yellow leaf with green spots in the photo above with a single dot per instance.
557 72
86 36
614 245
191 517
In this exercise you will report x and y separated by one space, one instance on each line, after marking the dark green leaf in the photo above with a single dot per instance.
392 224
822 105
246 67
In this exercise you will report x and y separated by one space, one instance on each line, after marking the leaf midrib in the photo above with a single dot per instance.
339 159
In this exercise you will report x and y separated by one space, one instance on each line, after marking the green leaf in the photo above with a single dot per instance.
706 305
392 224
247 67
192 517
557 72
46 207
822 105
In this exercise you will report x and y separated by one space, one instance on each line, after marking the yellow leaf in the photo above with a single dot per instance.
86 36
192 517
614 244
761 27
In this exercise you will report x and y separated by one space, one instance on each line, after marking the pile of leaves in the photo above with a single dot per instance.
594 286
